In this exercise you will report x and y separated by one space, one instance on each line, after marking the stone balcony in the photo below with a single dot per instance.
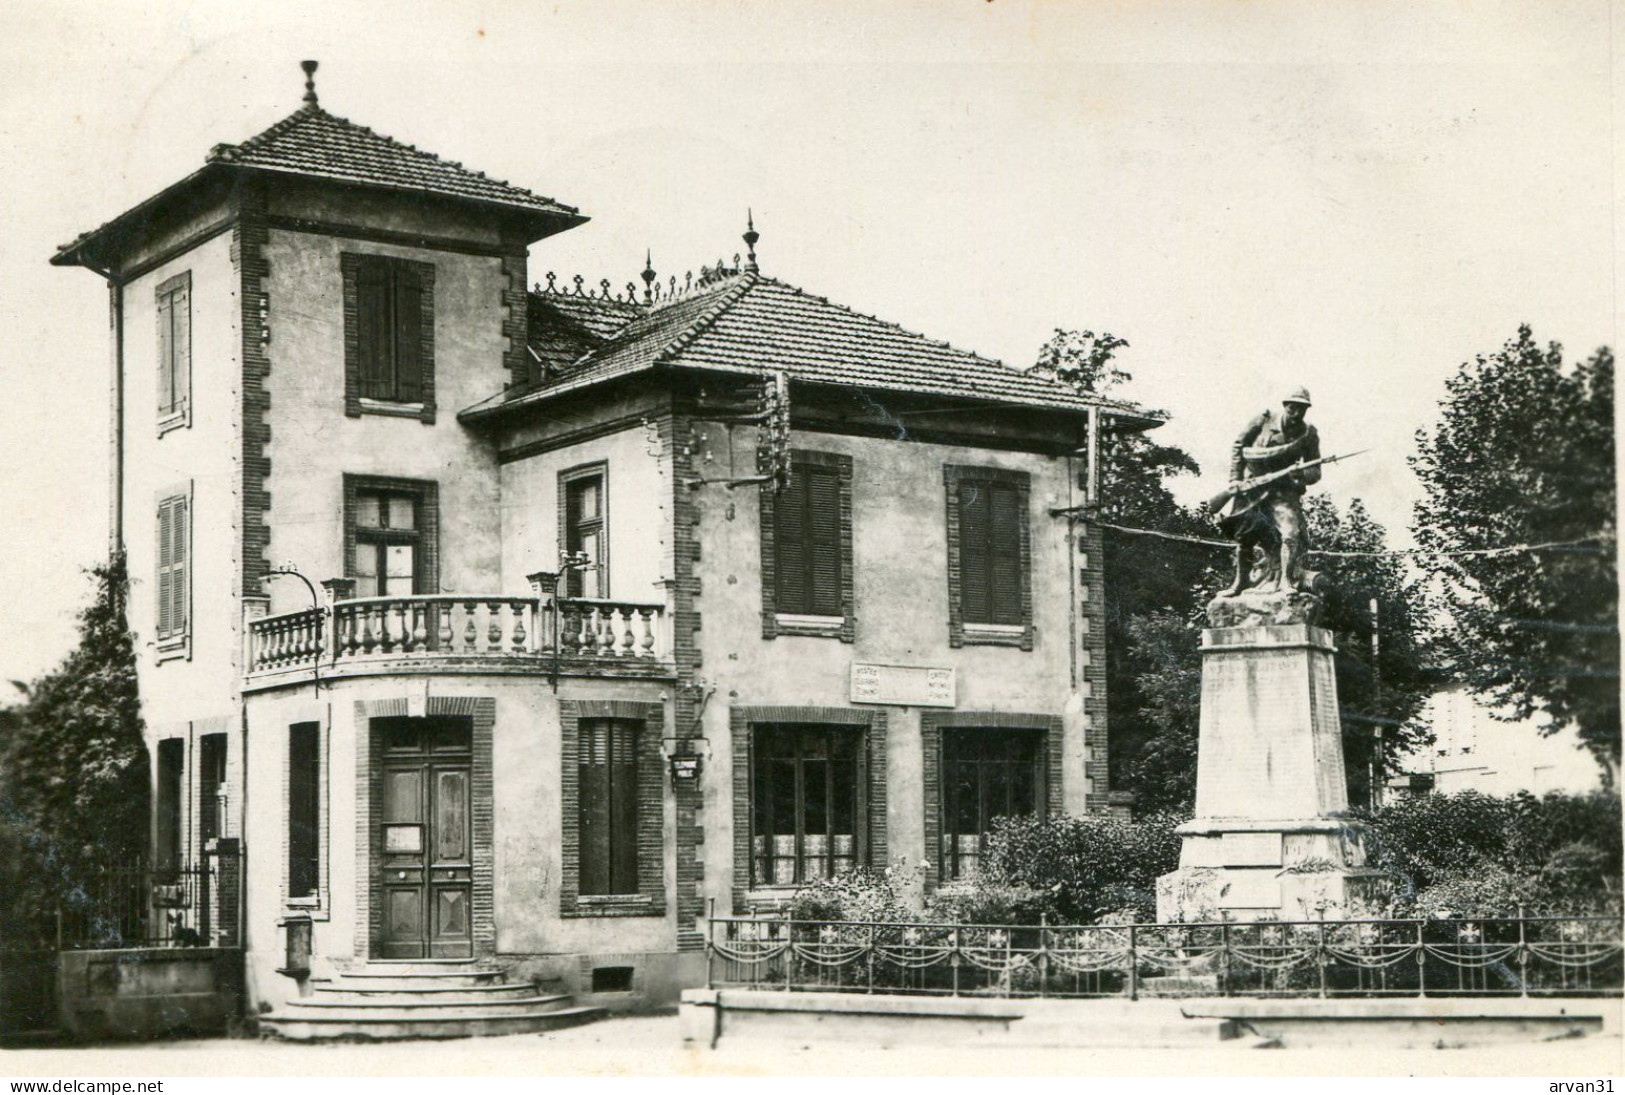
540 635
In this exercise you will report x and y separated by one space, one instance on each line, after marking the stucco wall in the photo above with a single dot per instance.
901 605
199 458
526 819
638 512
313 444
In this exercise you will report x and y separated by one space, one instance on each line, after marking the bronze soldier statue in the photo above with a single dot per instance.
1271 516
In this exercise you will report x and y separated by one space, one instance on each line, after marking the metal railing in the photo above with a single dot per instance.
453 626
136 905
1511 956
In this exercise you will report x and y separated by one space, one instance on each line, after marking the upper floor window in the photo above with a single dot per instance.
174 352
583 498
388 336
989 557
172 618
807 549
390 528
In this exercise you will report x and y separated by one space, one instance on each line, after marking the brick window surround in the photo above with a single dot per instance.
174 308
593 583
933 723
775 624
481 713
650 900
871 784
961 633
427 493
316 905
355 404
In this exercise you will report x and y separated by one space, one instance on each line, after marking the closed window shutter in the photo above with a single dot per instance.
373 329
178 567
166 355
180 316
823 489
593 775
304 809
166 515
975 594
623 809
1004 546
790 546
408 316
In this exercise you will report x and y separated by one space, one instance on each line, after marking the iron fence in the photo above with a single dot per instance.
1511 956
135 904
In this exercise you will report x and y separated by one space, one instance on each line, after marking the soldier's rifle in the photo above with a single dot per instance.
1218 501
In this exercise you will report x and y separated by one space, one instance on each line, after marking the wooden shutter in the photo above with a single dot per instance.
823 489
593 784
304 808
180 316
408 334
975 598
790 546
179 566
623 808
373 328
1004 548
166 355
166 520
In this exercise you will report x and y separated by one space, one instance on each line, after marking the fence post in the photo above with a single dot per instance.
1421 960
1320 953
710 942
1224 958
1523 956
1133 962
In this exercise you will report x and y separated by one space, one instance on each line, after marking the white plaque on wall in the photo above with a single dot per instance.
1251 849
903 685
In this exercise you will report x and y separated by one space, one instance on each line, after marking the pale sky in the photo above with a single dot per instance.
1352 197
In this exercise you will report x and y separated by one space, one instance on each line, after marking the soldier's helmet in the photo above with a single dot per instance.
1297 395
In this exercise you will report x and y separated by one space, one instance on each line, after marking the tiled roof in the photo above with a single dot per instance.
313 142
566 327
744 322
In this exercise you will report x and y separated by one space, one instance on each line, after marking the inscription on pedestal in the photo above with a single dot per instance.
1251 849
1248 892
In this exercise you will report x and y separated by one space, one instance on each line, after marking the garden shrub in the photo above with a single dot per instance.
976 901
1088 866
866 893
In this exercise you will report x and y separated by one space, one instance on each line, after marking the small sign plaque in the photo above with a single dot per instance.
903 685
403 839
1252 849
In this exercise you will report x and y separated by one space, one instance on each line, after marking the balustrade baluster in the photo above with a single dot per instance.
443 614
647 643
587 639
518 612
606 631
471 636
403 634
420 631
624 617
493 627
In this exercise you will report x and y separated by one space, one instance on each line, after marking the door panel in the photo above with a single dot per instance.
423 879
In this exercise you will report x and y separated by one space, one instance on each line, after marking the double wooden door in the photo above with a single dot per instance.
423 877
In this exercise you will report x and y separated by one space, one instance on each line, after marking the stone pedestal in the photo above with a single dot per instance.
1269 838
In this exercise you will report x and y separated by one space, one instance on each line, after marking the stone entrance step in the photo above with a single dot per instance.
386 1002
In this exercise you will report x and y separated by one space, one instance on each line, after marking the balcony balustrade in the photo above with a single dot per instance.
582 636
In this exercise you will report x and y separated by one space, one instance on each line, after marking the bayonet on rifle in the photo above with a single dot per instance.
1218 501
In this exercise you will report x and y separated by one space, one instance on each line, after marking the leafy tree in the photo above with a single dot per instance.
73 767
1523 452
1154 587
1382 690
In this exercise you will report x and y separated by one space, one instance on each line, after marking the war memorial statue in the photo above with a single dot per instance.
1271 837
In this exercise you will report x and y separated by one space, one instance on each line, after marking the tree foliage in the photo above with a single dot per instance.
1523 452
1382 690
73 767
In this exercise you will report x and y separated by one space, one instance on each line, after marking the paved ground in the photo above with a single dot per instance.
649 1046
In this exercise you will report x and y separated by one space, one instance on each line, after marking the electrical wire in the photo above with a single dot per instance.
1506 549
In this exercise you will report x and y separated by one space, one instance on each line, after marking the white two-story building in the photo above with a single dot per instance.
353 447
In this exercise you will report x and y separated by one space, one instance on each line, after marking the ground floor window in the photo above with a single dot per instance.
211 779
807 795
167 850
607 770
304 809
986 774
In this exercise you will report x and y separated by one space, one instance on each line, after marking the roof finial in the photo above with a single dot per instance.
648 277
310 81
751 236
